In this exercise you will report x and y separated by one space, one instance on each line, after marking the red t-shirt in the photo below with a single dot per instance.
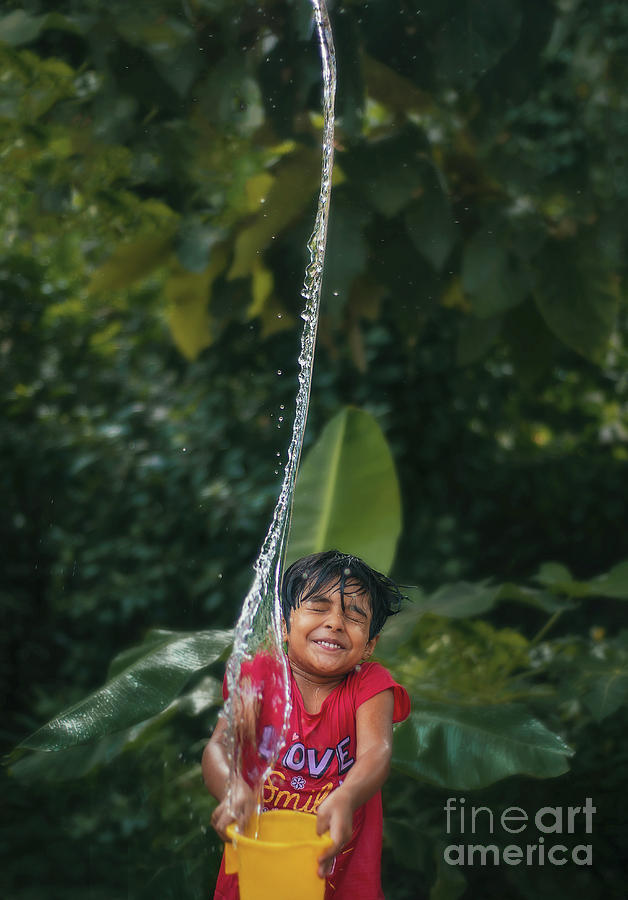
319 751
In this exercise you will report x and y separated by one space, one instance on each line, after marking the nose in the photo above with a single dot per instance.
335 618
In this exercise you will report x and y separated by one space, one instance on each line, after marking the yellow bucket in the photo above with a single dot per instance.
282 863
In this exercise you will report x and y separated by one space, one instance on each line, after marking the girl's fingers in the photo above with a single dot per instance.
219 821
326 861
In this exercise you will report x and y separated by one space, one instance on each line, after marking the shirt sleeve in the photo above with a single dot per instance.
372 679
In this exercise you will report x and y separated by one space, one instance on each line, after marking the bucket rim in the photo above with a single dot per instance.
318 840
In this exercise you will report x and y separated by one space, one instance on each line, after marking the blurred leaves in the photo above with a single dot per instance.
189 295
489 277
19 27
430 223
131 262
577 298
613 583
294 185
472 38
593 673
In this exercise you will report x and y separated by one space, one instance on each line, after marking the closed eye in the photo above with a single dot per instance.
317 605
353 612
356 615
358 611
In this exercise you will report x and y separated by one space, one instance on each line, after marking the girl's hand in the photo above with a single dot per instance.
238 806
335 814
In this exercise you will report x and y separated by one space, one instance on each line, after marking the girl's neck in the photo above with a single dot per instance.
315 688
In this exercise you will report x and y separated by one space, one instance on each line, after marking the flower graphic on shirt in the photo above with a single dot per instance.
298 783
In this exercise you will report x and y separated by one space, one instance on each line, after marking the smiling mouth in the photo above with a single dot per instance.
329 645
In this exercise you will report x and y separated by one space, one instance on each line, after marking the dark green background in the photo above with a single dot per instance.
474 302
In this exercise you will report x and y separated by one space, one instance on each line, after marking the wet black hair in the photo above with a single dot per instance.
309 574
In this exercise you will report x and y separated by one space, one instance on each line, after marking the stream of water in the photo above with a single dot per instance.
259 627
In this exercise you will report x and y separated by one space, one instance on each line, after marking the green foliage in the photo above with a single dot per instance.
143 682
347 494
159 170
463 748
577 298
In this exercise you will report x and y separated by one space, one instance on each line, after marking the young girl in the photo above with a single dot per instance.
339 739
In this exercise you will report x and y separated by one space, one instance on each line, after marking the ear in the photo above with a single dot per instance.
369 648
284 630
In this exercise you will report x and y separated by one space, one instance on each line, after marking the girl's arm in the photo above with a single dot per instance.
373 720
236 804
214 764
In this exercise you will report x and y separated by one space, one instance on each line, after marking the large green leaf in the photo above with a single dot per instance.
577 296
347 494
468 747
149 683
75 762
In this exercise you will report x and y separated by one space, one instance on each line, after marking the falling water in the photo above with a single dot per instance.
259 626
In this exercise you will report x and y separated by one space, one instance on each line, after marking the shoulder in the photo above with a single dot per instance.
370 679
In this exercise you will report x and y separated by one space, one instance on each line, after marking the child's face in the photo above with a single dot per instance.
325 640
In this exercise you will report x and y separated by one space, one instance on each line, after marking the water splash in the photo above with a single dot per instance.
253 750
